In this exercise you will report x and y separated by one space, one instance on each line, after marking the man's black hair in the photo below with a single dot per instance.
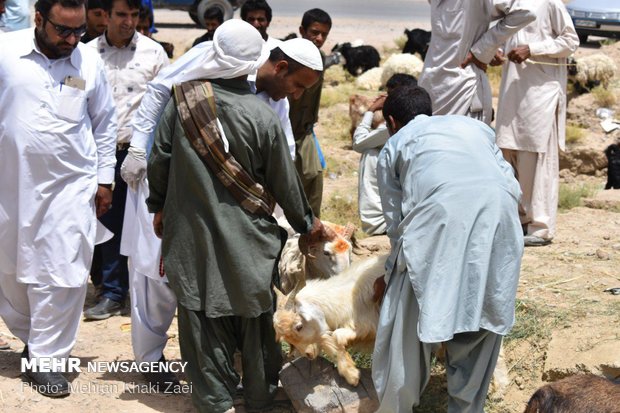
400 79
406 102
44 6
94 4
277 54
132 4
214 13
253 5
315 16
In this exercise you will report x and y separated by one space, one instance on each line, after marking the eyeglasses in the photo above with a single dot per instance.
64 31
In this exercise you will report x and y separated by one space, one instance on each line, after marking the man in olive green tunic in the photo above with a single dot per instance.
219 258
304 113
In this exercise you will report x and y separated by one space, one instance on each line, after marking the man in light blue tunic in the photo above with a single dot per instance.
451 208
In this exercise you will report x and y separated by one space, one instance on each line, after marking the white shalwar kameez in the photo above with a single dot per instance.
369 142
450 203
57 142
458 27
531 116
153 303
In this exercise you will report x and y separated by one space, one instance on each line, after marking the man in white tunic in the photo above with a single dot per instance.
450 202
531 116
369 142
461 47
57 141
131 60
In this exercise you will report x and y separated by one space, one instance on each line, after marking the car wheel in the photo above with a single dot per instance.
224 5
583 38
193 12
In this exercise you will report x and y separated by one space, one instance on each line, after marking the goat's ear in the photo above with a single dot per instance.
280 298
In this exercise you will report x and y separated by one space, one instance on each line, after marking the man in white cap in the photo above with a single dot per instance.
220 257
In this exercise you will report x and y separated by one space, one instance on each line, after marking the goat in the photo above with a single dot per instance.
613 166
576 394
417 41
332 314
358 105
291 35
358 59
323 259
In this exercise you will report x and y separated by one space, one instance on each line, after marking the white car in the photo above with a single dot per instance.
595 17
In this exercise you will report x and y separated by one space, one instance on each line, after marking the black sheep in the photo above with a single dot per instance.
358 59
417 41
613 166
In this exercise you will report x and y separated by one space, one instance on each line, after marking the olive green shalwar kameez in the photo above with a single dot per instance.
219 258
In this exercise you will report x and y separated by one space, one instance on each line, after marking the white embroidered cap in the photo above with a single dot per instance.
304 52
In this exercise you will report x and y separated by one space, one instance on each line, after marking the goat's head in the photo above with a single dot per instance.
298 329
330 253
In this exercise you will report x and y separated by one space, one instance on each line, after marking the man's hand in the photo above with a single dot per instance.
498 59
471 59
103 200
519 54
158 224
378 103
133 169
316 234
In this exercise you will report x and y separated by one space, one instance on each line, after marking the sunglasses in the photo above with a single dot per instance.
64 31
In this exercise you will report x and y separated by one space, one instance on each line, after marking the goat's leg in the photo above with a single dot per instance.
334 345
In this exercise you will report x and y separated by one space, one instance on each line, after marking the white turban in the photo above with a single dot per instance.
304 52
236 50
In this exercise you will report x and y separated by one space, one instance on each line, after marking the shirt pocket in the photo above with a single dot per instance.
71 104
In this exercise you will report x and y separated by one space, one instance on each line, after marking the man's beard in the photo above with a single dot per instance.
54 50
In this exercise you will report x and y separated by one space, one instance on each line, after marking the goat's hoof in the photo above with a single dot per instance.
353 377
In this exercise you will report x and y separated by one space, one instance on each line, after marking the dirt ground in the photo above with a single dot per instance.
560 293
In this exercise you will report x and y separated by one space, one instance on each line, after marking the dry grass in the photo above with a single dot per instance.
574 133
342 207
333 95
604 97
494 74
571 195
336 75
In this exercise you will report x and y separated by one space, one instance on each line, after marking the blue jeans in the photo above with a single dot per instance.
114 273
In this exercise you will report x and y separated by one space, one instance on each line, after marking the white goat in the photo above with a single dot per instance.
323 259
332 314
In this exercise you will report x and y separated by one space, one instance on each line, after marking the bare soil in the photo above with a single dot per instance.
561 287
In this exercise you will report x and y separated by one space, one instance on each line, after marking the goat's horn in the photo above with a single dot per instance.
301 283
349 230
328 232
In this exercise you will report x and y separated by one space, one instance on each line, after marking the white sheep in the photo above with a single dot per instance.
370 80
329 256
401 63
594 69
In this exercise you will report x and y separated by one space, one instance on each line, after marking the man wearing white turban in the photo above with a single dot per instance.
220 257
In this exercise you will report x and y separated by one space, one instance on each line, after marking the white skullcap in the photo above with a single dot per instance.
304 52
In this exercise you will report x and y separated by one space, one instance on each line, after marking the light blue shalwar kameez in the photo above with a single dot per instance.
451 206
